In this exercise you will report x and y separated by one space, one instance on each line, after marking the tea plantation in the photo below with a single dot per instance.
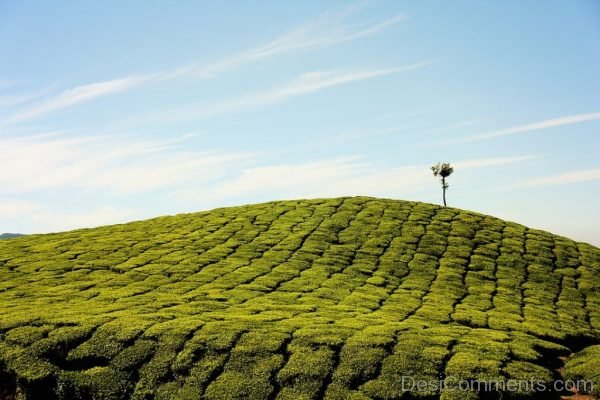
329 298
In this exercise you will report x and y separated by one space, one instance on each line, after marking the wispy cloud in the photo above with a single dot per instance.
50 220
7 84
7 101
114 163
303 85
36 217
450 127
77 95
331 177
13 208
117 165
490 162
516 130
585 175
406 129
328 30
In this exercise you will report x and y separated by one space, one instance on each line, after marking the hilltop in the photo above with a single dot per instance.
327 298
9 235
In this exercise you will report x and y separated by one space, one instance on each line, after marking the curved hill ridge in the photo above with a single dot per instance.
328 298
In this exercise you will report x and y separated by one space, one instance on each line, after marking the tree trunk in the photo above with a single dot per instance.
444 190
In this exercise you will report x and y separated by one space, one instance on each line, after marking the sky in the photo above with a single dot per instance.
116 111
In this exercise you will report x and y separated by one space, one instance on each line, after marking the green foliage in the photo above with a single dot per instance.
97 383
585 366
327 298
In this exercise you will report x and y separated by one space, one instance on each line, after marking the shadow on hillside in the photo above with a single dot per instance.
8 386
552 360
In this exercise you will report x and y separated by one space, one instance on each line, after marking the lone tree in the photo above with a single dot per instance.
443 170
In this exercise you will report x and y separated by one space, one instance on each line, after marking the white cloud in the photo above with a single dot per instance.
34 217
77 95
10 208
548 123
117 164
365 132
7 84
318 80
169 171
333 177
564 178
304 84
490 162
53 221
299 177
450 127
198 179
12 100
327 30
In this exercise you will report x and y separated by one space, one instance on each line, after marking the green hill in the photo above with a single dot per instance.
330 298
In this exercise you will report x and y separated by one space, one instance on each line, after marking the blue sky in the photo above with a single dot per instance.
115 111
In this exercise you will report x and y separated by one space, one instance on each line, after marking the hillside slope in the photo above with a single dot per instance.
331 298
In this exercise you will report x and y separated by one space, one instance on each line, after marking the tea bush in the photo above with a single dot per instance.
306 299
